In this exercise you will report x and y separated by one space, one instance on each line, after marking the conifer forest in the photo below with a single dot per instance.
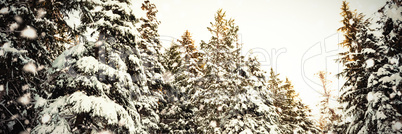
100 66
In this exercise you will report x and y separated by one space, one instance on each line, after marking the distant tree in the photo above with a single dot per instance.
150 47
294 116
329 114
172 60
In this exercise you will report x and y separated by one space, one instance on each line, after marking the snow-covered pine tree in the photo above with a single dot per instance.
226 103
257 80
186 81
149 46
365 48
172 60
384 97
353 92
329 114
190 71
294 116
99 86
29 40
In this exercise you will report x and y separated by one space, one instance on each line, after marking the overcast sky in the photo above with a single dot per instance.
297 38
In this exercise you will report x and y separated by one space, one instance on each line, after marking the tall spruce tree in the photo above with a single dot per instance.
149 47
353 92
294 116
99 86
384 103
226 103
373 84
179 114
29 40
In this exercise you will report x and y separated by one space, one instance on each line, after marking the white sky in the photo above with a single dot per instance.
287 32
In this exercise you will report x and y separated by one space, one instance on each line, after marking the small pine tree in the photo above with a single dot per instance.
329 116
294 116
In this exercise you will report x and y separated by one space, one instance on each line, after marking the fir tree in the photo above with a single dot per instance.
226 102
384 103
355 88
294 116
329 115
149 46
172 60
29 41
370 93
99 86
187 76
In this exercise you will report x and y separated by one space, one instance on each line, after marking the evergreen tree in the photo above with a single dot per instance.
354 91
29 40
329 116
99 86
149 47
191 69
175 115
384 103
172 60
225 102
371 89
186 80
294 116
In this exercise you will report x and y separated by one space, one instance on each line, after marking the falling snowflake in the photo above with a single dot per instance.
13 26
26 122
18 19
212 124
1 88
397 126
29 33
4 10
41 13
392 95
220 108
369 63
15 116
45 118
30 68
98 43
122 122
25 87
25 99
370 96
